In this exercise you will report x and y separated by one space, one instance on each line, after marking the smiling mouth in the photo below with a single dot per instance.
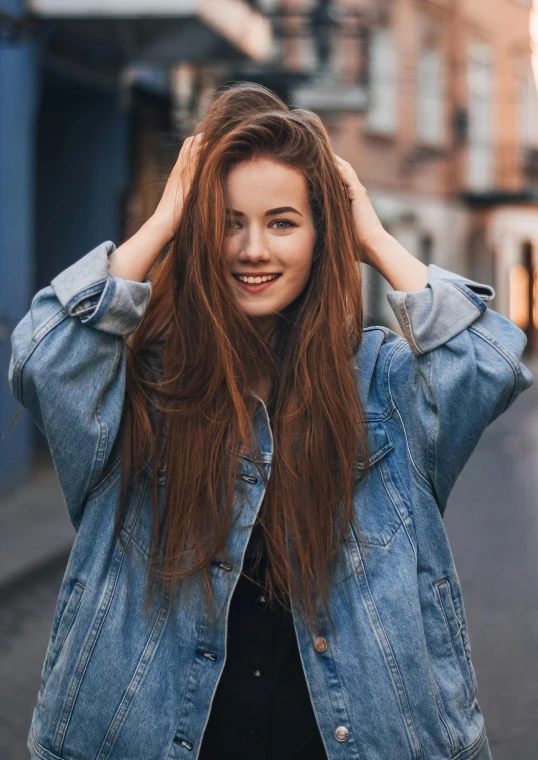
274 276
255 287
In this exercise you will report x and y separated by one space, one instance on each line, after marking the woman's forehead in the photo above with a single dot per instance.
257 187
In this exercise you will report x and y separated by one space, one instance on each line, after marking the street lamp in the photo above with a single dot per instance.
321 89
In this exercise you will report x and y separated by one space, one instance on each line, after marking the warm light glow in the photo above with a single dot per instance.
519 296
533 28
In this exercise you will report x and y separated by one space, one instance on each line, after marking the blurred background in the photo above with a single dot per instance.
434 103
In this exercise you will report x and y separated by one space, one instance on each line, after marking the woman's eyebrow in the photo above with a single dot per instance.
271 212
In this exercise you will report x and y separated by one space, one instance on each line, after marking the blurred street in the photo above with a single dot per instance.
492 524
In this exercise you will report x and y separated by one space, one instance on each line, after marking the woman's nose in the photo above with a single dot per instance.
254 254
255 247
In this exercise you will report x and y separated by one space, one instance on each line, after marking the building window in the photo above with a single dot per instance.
307 54
383 62
480 166
430 85
527 110
527 102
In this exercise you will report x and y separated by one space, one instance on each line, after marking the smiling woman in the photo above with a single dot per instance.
261 569
268 301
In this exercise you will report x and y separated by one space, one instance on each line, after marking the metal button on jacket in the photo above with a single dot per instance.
261 602
320 644
341 734
253 736
257 669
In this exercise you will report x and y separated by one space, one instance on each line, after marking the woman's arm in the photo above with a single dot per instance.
400 268
380 250
133 259
68 367
459 365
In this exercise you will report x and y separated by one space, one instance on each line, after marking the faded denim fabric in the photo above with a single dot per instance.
396 682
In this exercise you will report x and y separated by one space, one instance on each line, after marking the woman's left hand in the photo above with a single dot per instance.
366 220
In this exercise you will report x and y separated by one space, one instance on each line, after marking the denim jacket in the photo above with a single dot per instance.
396 679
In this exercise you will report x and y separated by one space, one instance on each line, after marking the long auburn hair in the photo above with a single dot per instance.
195 356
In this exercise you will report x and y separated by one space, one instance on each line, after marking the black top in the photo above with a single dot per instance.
262 708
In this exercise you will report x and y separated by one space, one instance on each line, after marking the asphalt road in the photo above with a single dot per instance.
492 523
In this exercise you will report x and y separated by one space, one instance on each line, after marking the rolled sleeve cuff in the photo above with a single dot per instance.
88 291
448 304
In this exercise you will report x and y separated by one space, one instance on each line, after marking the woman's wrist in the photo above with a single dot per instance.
400 268
133 259
163 227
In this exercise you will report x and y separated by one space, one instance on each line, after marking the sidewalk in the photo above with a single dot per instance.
35 529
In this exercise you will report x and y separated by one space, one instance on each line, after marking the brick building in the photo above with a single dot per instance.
446 141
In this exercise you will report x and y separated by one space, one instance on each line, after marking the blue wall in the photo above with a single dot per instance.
82 174
18 104
64 170
82 171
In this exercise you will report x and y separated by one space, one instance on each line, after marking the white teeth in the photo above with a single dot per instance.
257 280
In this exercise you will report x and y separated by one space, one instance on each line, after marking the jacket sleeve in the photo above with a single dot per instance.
457 370
68 366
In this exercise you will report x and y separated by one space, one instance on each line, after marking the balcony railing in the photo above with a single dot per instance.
516 166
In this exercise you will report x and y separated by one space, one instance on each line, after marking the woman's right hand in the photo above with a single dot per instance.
133 259
168 211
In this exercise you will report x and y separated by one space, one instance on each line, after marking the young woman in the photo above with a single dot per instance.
257 481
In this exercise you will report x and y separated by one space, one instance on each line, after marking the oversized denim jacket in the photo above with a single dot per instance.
396 680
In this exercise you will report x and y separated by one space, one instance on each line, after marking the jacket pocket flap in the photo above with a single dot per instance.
379 440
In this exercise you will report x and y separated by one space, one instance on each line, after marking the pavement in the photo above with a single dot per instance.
35 530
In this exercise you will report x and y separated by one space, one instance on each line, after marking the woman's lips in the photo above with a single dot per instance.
256 288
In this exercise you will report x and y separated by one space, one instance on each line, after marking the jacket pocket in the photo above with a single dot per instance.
458 636
61 630
379 505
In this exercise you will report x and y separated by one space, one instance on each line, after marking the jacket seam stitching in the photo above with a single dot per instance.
518 375
106 297
469 294
87 292
105 483
37 338
393 667
432 439
102 441
415 466
402 519
414 345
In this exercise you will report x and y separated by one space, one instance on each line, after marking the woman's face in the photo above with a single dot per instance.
270 231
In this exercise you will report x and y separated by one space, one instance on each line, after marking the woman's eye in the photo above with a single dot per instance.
284 221
230 222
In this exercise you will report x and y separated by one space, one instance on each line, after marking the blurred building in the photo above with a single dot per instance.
447 143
